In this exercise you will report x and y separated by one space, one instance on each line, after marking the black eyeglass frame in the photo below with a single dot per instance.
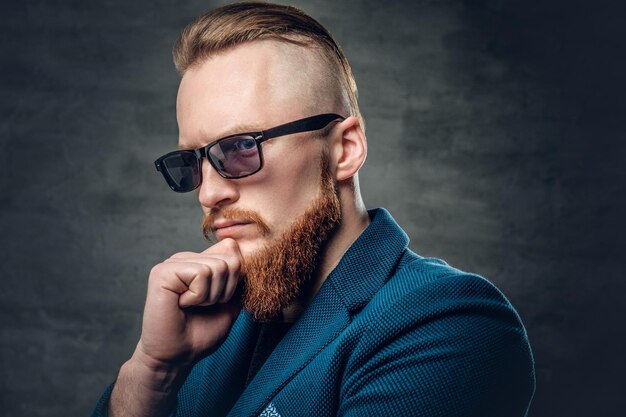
308 124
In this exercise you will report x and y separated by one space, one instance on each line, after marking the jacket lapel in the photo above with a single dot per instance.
370 261
230 362
321 323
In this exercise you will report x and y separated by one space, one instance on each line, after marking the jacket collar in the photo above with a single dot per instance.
362 271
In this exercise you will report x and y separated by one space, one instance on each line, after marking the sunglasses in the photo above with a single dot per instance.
233 156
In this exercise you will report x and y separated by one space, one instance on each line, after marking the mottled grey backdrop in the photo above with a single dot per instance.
496 138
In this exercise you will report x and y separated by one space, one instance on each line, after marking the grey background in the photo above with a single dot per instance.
496 138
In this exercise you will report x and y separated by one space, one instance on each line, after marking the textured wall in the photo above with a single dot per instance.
496 139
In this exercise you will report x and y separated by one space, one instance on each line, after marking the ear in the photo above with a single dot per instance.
349 148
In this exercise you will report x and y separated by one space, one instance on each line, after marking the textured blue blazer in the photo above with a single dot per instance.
390 333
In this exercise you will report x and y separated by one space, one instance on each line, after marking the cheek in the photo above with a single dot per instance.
288 190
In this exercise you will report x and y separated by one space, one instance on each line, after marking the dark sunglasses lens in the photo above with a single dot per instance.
236 156
182 171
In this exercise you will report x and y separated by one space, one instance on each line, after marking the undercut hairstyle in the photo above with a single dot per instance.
238 23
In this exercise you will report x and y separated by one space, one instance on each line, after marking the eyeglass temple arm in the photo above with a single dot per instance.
304 125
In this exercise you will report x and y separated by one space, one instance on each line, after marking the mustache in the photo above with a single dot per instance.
244 215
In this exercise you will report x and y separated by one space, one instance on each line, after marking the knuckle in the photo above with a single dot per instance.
235 263
158 273
156 270
229 243
205 270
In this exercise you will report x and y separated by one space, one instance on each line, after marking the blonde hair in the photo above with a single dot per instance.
238 23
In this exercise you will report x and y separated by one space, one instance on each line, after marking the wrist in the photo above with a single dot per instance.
156 375
146 388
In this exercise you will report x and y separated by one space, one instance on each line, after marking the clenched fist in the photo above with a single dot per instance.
190 306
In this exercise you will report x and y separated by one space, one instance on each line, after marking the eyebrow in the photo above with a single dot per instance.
242 128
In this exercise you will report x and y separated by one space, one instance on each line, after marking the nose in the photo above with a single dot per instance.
216 191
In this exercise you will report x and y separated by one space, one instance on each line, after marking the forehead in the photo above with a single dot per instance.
253 86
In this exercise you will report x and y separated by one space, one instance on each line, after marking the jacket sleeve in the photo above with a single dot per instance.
101 409
451 347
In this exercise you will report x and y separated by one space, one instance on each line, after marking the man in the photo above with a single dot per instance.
308 304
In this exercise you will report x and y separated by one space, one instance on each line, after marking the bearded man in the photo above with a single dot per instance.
307 304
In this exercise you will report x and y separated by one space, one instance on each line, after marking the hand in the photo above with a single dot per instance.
190 306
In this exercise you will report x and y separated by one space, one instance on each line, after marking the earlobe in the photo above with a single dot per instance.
351 149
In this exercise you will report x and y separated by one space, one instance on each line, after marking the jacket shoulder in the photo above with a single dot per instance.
437 337
430 285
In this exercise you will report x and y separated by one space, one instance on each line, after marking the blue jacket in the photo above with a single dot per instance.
389 333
